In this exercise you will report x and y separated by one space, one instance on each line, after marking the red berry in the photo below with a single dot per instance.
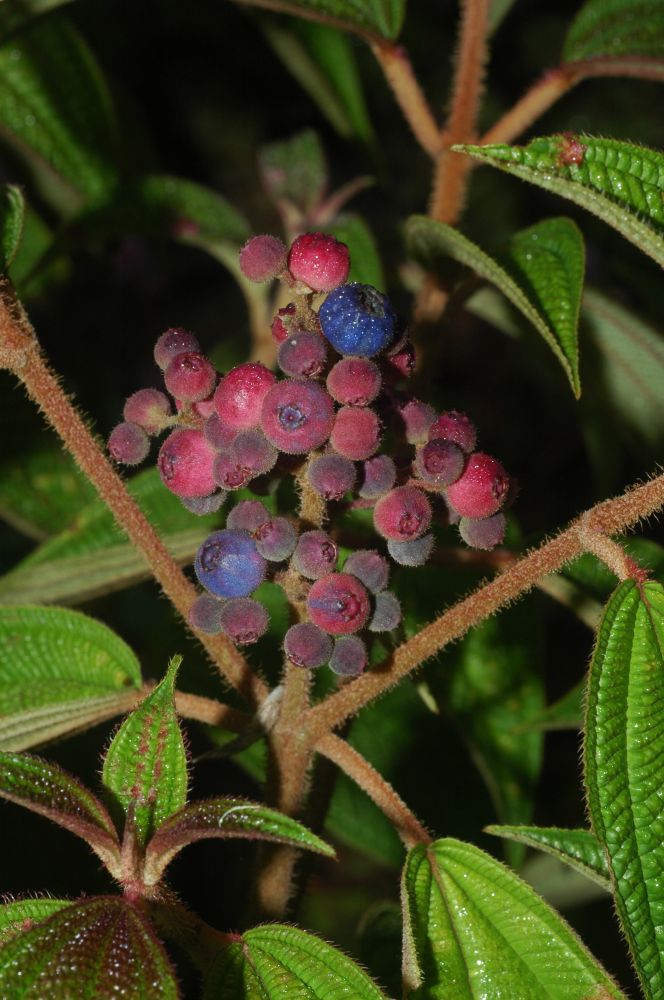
150 409
185 464
263 258
356 432
370 568
175 341
483 532
379 474
354 381
417 418
413 553
331 476
403 514
306 645
482 489
240 394
190 377
319 261
315 555
282 322
439 462
349 657
457 427
387 613
297 416
338 604
128 444
302 354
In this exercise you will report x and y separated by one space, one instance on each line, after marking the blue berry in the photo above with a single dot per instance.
228 564
358 320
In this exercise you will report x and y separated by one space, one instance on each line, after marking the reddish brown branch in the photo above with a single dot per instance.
396 66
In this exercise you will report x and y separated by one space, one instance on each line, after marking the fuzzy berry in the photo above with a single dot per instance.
315 555
276 539
370 568
483 532
263 258
220 437
455 426
190 377
205 614
240 394
228 564
482 489
403 514
378 476
414 553
248 515
228 473
356 432
150 409
243 620
128 444
440 462
282 323
297 416
204 505
354 381
331 476
349 657
185 464
175 341
252 450
401 363
339 604
417 418
319 261
303 354
306 645
387 613
358 320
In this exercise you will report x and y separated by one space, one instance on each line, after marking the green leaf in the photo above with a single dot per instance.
616 28
566 713
541 274
225 817
93 557
373 19
55 109
621 183
365 262
20 915
37 726
624 744
473 928
295 170
275 962
579 849
83 951
145 767
498 10
12 211
47 789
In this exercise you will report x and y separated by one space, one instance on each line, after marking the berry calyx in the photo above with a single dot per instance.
263 258
228 564
358 320
319 261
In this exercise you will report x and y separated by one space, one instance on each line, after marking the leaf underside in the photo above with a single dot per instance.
578 848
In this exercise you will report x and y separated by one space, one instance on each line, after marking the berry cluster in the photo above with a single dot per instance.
337 402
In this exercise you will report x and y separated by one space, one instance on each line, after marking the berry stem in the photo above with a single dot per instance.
211 712
609 517
398 71
20 353
609 552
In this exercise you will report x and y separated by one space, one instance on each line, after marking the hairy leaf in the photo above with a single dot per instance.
91 949
275 962
225 817
542 275
566 713
616 28
145 767
35 727
12 211
579 849
20 915
372 19
617 181
623 752
295 170
472 928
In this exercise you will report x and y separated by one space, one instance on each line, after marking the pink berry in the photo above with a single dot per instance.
378 476
263 258
403 514
482 489
354 381
439 462
297 416
228 473
387 613
483 532
349 657
282 323
175 341
414 553
276 539
370 568
338 604
248 515
205 408
356 432
253 451
306 645
243 620
303 354
150 409
240 394
205 614
417 418
219 436
457 427
401 363
319 261
331 476
190 377
185 464
315 555
128 444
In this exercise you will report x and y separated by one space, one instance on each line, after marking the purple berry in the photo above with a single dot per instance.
190 377
482 489
306 645
356 432
349 656
303 354
263 258
370 568
128 444
439 462
387 613
331 476
240 394
204 505
402 514
378 476
228 564
297 416
248 515
228 473
417 418
338 604
244 620
150 409
205 614
175 341
457 427
413 553
319 261
276 539
219 436
354 381
315 555
483 532
185 464
252 450
358 320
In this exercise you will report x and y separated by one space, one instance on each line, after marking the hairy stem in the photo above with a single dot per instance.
609 517
395 64
20 353
212 712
